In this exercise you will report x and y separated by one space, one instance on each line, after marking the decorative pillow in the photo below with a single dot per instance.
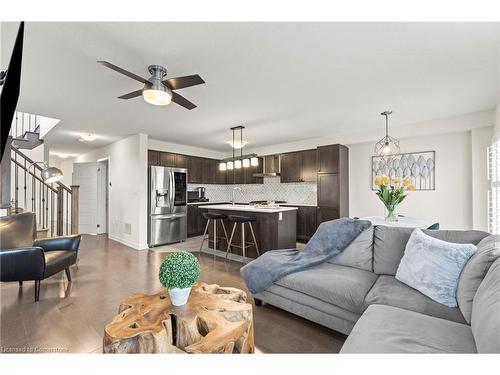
488 250
433 266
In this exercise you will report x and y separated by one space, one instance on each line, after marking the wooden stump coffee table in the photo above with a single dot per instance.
215 320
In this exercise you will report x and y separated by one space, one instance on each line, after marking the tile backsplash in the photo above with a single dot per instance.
271 189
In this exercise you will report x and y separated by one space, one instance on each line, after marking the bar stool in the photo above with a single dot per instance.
214 217
236 219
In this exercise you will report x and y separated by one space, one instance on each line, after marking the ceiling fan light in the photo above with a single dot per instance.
222 166
237 164
254 162
157 96
246 163
230 165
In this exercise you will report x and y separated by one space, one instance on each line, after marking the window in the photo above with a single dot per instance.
494 192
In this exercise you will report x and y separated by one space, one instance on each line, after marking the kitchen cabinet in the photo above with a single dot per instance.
328 158
167 159
309 165
153 157
208 173
181 161
196 223
326 214
299 166
195 170
333 187
291 167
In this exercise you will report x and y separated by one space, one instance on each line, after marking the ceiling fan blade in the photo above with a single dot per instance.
176 98
182 82
131 95
123 71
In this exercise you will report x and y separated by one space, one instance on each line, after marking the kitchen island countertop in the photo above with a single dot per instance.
248 208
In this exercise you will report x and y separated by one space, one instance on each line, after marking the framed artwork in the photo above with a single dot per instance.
419 166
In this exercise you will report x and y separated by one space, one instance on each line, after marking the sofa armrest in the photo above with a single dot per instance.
24 263
59 243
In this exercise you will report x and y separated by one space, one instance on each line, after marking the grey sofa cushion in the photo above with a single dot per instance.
389 291
389 244
387 329
359 254
342 286
485 320
488 250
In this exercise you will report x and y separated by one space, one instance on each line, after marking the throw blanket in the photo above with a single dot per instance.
331 238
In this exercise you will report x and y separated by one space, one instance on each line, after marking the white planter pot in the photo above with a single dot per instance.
179 296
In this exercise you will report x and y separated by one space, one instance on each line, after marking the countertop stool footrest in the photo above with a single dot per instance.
238 219
214 218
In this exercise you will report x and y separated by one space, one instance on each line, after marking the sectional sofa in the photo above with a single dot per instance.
356 293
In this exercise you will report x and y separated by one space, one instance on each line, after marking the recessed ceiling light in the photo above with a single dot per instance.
87 137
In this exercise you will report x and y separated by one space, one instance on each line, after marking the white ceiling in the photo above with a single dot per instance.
283 81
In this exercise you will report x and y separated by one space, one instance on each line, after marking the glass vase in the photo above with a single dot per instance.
391 215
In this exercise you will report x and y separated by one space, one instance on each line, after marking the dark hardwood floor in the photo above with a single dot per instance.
70 317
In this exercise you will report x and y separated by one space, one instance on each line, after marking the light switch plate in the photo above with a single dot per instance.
280 215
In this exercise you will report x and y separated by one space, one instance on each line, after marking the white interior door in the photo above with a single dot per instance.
102 197
85 175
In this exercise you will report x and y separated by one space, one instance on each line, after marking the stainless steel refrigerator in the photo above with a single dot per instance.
167 205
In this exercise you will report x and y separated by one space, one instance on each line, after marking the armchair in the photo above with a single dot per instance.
22 258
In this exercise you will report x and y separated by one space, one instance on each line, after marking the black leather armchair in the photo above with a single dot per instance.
22 258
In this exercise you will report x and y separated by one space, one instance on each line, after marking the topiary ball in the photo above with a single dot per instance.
179 270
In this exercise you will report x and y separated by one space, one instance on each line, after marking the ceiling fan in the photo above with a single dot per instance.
157 90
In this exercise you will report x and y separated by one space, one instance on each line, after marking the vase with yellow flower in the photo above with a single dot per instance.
392 191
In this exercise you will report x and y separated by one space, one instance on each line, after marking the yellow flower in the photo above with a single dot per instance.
411 187
406 181
395 181
378 180
385 180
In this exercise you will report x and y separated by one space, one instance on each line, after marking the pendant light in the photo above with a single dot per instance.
241 161
388 146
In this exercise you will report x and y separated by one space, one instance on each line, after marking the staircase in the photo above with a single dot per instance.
25 135
55 205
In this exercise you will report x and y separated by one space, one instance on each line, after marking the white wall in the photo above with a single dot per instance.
128 190
154 144
461 163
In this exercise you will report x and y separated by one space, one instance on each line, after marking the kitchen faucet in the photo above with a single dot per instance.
236 188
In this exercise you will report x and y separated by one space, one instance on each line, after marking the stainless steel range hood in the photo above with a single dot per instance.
271 168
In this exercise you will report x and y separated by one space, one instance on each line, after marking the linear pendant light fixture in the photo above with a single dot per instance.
388 146
241 161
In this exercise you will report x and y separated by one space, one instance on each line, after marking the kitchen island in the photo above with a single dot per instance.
275 227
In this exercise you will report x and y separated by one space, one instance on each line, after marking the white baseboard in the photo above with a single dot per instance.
128 243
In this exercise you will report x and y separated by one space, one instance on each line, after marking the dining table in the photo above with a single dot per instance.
403 221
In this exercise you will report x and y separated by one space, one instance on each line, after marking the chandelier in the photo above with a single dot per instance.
241 161
388 146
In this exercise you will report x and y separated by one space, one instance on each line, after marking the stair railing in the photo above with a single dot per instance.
55 205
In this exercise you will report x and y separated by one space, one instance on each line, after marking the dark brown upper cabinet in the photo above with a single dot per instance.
309 165
195 170
167 159
291 167
328 158
153 157
299 166
181 161
208 173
